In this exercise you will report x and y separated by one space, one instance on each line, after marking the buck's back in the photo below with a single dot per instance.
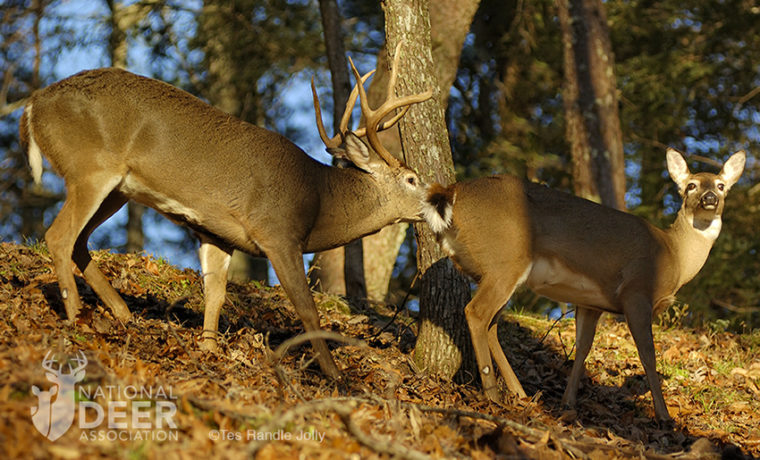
118 116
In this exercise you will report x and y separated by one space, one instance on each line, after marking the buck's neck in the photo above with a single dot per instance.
691 240
351 206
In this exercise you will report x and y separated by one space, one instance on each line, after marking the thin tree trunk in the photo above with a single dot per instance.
443 344
591 103
340 270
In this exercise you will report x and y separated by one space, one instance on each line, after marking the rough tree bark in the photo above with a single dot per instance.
449 24
443 344
340 270
591 103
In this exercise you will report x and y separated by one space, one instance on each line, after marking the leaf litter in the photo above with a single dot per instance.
271 405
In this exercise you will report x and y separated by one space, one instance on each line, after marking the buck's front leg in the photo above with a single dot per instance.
638 314
215 261
288 265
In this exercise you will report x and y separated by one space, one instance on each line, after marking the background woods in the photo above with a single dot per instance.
509 79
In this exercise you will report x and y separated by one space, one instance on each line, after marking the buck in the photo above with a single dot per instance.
115 136
505 232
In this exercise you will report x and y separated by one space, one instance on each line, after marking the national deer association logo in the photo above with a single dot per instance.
55 408
103 412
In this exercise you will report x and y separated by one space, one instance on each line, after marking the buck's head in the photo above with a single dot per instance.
400 186
703 193
399 183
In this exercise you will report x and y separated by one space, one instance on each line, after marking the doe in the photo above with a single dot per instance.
504 232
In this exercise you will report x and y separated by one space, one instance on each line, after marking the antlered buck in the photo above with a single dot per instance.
505 232
114 136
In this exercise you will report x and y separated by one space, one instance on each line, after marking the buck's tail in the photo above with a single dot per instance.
438 207
27 141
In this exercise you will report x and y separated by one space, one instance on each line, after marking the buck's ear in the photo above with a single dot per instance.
677 168
360 154
733 168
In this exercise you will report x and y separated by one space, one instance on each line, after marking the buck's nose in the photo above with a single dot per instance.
709 200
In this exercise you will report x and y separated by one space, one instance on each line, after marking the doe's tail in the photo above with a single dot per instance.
26 136
437 208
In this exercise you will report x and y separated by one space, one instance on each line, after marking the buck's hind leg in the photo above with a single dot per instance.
83 200
92 274
585 329
215 261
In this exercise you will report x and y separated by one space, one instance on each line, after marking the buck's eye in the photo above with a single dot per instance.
721 187
411 180
691 187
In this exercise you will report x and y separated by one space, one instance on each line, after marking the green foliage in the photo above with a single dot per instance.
252 49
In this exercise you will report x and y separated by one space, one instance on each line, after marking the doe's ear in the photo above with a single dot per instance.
732 169
677 168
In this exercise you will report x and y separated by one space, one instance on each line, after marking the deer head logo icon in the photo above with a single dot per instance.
55 410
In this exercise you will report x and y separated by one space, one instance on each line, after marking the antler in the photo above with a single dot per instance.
47 363
81 361
372 117
337 139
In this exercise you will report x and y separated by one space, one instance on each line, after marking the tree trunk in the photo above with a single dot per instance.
591 103
449 23
340 270
443 343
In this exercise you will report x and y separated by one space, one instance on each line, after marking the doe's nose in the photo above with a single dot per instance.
709 199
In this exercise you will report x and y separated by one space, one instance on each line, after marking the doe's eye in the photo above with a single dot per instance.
721 187
691 187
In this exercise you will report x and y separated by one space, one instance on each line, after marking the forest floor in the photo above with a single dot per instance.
149 392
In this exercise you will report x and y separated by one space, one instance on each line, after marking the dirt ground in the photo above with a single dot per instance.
145 389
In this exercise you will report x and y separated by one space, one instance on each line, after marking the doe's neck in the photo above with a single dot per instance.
691 240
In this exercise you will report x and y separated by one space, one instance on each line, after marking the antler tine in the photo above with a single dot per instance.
373 118
81 361
394 71
370 122
47 363
329 142
343 128
337 139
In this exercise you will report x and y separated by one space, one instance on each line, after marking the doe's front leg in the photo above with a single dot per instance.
638 314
